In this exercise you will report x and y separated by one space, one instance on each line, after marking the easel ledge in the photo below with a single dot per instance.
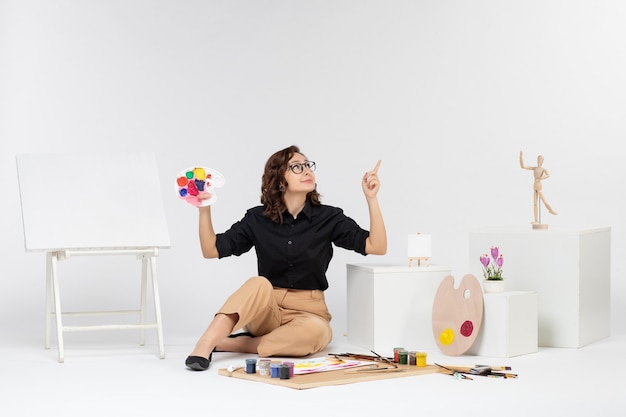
419 260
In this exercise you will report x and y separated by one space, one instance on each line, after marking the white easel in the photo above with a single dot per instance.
419 249
94 205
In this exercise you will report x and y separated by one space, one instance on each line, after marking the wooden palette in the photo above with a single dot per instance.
457 314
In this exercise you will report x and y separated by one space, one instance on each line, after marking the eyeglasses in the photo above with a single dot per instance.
299 167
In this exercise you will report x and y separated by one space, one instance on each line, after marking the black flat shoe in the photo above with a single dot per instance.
240 334
198 363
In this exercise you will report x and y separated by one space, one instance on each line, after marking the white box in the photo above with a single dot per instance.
569 270
509 325
391 306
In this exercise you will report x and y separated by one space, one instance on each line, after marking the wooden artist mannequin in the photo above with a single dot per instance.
540 174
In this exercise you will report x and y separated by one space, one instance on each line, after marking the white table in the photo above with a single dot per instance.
509 326
391 306
569 270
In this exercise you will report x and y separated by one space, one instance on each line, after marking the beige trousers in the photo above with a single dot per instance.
289 322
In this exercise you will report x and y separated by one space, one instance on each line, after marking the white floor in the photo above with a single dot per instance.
110 380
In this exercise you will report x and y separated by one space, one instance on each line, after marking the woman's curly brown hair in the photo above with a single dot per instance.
273 184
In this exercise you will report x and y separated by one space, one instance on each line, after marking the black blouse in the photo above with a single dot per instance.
296 253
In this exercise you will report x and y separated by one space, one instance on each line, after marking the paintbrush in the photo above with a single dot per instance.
478 369
495 368
373 368
501 375
454 373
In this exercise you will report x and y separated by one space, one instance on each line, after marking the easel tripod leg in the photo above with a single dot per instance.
157 306
144 289
57 305
48 297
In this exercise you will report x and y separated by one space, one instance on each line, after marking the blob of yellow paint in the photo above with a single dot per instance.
200 174
446 337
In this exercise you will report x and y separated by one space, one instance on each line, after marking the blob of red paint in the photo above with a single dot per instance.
193 190
467 328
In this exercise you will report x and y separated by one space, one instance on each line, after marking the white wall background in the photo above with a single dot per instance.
446 93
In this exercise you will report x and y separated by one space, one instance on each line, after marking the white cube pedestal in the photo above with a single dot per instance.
391 306
509 325
569 270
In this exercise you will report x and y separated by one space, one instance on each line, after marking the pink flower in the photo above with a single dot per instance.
484 259
492 271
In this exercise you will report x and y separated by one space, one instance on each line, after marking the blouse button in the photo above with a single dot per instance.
289 242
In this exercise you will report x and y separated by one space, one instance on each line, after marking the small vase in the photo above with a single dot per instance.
493 286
